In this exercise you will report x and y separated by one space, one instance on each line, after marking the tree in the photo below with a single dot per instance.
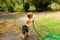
26 6
57 1
41 5
8 4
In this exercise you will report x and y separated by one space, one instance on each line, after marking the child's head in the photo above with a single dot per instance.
30 15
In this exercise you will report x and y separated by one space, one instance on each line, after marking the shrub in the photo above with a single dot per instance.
11 8
39 6
1 9
26 6
18 8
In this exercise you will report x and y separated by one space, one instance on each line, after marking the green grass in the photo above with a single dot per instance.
52 23
51 26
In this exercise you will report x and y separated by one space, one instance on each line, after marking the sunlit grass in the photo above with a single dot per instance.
51 22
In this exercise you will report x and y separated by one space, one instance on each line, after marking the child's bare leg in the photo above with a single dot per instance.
23 36
28 33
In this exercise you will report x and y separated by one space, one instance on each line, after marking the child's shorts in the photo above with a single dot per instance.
24 29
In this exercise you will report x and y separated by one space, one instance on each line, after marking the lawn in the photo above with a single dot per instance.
51 23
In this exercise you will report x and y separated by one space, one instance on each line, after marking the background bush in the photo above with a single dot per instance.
39 5
1 9
26 6
11 8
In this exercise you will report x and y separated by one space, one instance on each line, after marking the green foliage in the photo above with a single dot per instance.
26 6
3 7
32 8
8 5
18 8
41 5
54 6
57 1
11 8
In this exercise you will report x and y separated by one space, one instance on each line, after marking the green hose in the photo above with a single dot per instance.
39 34
35 29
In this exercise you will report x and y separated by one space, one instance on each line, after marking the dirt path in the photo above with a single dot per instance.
12 33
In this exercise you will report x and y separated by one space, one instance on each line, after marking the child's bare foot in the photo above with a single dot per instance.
23 37
28 34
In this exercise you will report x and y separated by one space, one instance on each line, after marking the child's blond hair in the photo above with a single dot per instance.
30 15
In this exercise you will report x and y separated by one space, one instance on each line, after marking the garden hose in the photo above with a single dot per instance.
35 29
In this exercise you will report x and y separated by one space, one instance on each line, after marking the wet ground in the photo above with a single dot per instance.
10 27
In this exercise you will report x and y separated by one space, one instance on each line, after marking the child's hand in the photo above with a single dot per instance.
28 25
